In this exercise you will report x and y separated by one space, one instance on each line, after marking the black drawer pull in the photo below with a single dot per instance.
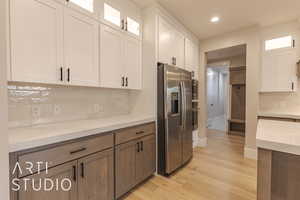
140 132
138 147
77 151
74 173
82 170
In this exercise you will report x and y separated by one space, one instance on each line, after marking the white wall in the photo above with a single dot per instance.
251 38
4 191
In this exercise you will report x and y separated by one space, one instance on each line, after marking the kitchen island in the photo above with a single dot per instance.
278 144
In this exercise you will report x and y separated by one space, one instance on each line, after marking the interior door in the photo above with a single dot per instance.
81 40
133 64
174 119
96 177
125 167
67 171
187 133
111 58
36 40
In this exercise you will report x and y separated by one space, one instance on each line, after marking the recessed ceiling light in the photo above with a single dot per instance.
215 19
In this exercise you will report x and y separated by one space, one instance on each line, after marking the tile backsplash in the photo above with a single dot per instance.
33 104
280 102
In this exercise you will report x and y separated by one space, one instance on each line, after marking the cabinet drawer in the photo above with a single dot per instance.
64 153
129 134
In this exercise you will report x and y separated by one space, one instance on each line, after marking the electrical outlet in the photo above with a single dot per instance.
36 111
57 110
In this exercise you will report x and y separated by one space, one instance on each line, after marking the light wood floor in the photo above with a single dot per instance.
217 172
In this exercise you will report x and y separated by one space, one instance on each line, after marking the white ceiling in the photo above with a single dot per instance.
234 14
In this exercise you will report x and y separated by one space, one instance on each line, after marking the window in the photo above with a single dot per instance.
133 26
86 4
112 15
278 43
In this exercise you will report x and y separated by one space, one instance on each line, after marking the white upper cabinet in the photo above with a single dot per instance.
111 54
81 40
171 44
64 42
120 57
178 48
278 72
132 59
191 56
36 40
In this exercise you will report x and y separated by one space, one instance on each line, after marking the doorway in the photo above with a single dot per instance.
217 97
226 90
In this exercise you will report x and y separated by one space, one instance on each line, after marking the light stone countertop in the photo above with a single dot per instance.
279 136
288 115
36 136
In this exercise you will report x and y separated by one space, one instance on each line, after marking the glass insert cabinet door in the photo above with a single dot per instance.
112 15
133 26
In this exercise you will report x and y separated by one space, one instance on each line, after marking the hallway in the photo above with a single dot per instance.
216 172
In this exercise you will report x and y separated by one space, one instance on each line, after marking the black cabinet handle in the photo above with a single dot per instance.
74 173
142 146
82 170
126 26
126 82
61 74
293 86
140 132
77 151
123 81
68 71
138 147
123 24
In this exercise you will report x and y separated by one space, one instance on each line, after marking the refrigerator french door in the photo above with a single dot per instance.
175 118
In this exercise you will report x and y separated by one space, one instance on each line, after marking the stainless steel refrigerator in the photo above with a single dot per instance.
175 118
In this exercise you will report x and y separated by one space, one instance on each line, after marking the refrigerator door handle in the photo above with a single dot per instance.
182 105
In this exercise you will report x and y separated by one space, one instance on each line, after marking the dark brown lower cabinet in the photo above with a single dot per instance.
145 159
66 171
96 177
135 162
125 167
91 178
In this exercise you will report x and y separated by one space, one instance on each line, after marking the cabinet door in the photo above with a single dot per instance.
125 167
178 48
146 158
189 55
111 13
281 66
81 40
87 7
36 40
165 37
133 19
96 179
133 65
111 58
56 175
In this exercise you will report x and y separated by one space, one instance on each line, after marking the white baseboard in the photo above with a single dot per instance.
202 142
250 153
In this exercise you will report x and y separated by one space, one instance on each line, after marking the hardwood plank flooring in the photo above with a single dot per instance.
217 172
